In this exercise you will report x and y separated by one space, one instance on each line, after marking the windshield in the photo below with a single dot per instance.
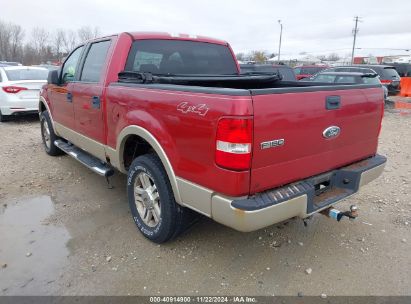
180 57
26 74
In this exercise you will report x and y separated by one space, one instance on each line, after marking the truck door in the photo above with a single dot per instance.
87 93
61 95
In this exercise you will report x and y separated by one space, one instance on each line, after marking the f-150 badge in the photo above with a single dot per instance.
200 109
272 143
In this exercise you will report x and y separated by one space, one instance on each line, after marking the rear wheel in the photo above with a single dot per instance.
48 136
153 207
3 118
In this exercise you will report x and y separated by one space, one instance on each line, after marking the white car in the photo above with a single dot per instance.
19 89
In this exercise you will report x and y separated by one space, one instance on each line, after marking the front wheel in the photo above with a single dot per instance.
153 207
48 136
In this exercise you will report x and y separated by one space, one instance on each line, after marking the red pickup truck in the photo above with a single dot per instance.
191 133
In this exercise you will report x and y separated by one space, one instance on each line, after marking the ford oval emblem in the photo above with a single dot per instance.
331 132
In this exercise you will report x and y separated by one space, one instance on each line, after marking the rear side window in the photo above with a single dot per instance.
95 60
180 57
27 74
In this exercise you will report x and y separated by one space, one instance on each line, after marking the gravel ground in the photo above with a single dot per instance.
64 232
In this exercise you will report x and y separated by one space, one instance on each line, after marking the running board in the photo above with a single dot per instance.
91 162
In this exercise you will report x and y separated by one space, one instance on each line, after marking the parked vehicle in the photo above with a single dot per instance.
49 67
349 78
306 71
286 72
19 90
403 69
388 75
12 63
191 133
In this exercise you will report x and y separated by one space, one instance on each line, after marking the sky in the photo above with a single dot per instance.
316 26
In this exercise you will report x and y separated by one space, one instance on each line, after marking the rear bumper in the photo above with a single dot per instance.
16 110
300 199
393 89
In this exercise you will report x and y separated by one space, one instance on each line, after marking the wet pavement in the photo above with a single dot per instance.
33 252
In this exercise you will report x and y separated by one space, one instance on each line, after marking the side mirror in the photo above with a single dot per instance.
53 77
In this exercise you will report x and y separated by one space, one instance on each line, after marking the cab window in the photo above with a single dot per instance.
70 65
95 60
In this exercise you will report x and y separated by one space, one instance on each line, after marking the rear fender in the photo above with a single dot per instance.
145 126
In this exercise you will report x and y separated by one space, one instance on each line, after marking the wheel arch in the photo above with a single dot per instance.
144 134
43 106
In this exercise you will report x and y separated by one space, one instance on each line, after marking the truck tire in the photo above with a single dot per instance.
48 136
153 207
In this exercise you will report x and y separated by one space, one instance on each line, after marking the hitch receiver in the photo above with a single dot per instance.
337 215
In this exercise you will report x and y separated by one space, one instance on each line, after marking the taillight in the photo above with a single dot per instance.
13 89
386 81
234 143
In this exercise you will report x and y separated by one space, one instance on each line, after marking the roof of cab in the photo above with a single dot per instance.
169 36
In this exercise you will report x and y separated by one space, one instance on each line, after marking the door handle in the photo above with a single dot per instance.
332 102
95 101
69 97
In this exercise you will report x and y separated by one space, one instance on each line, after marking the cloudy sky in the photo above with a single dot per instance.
315 26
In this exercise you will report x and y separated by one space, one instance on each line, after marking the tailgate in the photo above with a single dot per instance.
295 135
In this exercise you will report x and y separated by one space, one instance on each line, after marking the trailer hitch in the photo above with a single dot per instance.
337 215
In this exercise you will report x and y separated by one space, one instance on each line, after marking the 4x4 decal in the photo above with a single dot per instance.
200 109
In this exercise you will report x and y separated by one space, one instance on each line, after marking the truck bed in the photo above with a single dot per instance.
295 112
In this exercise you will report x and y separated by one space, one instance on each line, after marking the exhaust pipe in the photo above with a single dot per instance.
337 215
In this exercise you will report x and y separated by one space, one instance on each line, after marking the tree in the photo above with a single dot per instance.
333 57
240 56
259 56
16 42
86 33
5 34
322 57
70 41
40 40
58 42
42 46
29 55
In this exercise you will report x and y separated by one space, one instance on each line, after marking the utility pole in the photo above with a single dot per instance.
355 31
279 45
